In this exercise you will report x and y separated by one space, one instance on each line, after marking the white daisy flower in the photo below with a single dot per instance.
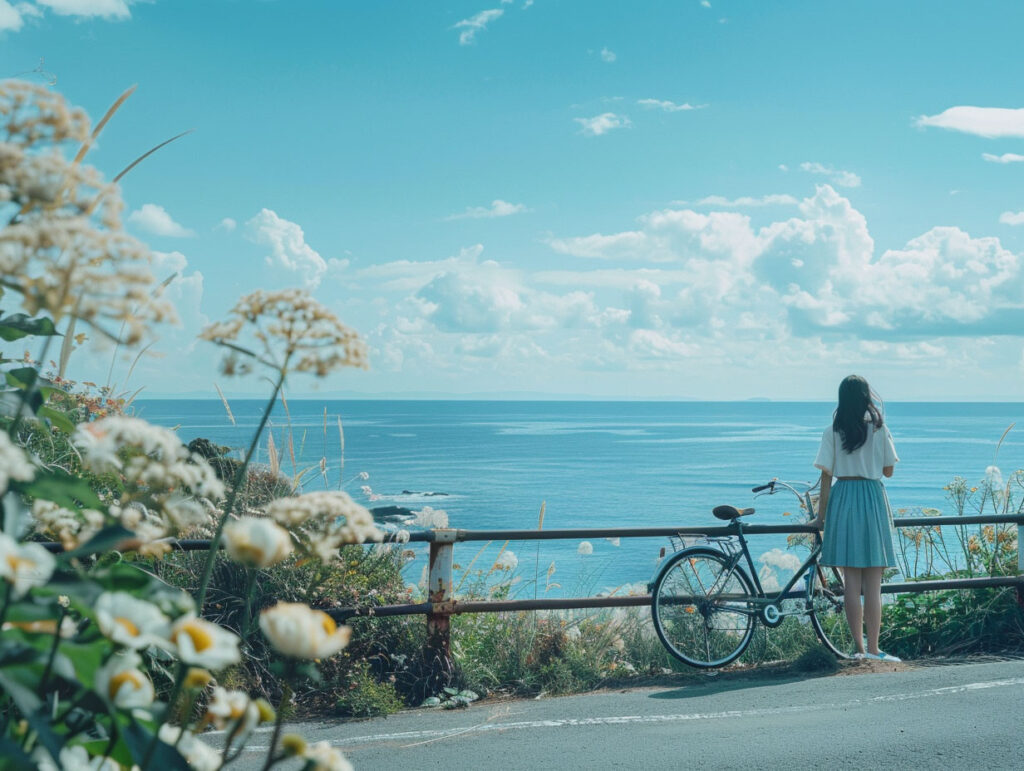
299 631
203 644
131 622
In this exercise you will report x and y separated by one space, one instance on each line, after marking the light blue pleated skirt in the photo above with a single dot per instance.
858 526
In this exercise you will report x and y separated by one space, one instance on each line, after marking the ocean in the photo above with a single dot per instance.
491 464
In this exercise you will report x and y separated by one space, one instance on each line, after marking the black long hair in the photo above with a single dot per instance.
856 409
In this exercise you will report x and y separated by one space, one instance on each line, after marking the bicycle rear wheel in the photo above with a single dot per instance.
828 611
701 608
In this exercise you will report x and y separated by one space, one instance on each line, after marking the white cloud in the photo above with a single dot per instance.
648 343
989 122
289 248
155 219
106 9
667 106
1004 158
477 23
783 167
612 278
836 176
1012 218
811 275
772 199
10 18
227 225
781 559
498 208
608 55
705 3
602 124
410 275
166 263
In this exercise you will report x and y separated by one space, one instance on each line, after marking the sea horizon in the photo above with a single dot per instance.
492 464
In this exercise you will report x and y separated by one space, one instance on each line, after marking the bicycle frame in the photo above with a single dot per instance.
755 605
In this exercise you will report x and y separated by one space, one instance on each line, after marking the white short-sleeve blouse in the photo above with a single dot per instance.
866 461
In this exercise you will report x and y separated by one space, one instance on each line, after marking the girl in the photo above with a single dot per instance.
857 451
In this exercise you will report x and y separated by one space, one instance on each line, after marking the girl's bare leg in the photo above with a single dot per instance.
871 583
854 611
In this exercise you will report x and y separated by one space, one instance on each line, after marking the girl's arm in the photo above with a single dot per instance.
826 488
887 471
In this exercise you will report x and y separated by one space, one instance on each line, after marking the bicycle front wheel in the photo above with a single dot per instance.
827 610
701 608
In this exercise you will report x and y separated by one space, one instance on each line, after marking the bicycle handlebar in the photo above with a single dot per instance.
761 488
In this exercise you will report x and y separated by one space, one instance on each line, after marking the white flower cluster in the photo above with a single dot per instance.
136 625
325 521
428 517
507 560
14 464
51 251
323 757
159 472
71 528
289 326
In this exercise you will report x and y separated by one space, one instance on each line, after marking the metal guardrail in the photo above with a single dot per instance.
441 604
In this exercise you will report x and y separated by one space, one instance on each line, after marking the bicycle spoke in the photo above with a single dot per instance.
700 608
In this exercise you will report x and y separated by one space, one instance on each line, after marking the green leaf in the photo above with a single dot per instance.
105 540
56 418
21 377
83 659
31 708
16 654
14 758
165 757
127 577
24 378
63 489
19 325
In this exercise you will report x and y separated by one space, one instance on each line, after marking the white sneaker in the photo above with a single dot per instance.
882 656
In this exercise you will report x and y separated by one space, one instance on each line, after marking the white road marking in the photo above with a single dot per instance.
633 719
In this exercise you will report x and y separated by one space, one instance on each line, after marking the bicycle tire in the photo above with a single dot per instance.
706 631
827 611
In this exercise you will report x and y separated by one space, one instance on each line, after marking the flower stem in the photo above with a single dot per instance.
250 589
286 693
7 603
29 392
53 652
179 679
233 494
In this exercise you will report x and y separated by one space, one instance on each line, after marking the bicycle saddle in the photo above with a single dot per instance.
730 512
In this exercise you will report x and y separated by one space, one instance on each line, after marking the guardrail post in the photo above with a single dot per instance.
1020 561
439 594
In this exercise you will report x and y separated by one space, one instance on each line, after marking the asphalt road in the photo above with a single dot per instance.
950 716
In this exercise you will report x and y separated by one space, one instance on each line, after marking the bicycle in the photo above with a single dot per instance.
706 607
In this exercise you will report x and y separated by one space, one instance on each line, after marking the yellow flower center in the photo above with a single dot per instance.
251 553
127 625
201 638
17 563
328 623
130 676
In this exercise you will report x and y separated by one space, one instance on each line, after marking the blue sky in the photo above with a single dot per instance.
679 199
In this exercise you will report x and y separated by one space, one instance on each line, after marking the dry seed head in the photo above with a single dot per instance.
291 327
